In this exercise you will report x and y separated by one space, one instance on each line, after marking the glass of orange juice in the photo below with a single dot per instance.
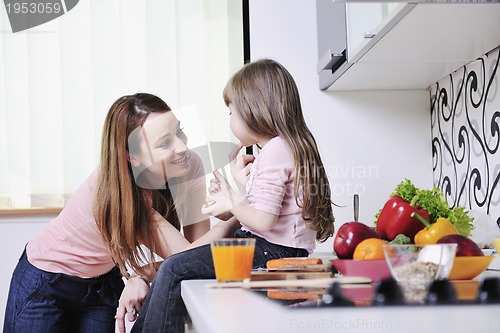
496 243
233 258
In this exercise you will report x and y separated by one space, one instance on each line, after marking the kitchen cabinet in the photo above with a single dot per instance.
405 45
363 18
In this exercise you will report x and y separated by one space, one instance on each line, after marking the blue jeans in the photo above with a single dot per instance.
40 301
164 310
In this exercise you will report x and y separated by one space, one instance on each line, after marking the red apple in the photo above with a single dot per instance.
349 235
466 247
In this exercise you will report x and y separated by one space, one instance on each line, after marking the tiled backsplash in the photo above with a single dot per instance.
465 111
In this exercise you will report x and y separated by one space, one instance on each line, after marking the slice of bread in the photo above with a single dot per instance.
293 262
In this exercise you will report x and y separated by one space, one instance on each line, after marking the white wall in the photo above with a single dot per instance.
15 233
370 141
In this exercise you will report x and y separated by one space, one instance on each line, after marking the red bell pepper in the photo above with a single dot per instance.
395 218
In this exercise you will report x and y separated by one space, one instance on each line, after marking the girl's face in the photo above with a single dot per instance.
163 151
239 128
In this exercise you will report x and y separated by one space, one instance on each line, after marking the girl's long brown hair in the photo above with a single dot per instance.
123 210
264 93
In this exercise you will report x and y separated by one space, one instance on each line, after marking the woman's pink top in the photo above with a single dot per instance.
72 244
270 189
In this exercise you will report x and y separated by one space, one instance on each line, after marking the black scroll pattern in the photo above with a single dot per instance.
465 117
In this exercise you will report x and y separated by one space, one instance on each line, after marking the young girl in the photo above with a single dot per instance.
287 204
69 278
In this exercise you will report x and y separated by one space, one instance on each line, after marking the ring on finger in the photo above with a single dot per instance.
132 312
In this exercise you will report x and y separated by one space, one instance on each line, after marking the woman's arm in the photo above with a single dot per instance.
220 230
195 224
173 241
194 231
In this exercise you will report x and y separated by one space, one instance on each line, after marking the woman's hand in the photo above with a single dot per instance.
240 167
130 302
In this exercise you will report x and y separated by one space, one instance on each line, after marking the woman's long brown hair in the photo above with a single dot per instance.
266 96
123 210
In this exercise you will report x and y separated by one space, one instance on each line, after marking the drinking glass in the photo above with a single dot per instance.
233 258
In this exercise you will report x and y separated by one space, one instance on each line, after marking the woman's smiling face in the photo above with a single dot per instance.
162 152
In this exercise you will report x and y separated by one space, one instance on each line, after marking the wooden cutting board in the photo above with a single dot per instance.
262 276
303 268
297 283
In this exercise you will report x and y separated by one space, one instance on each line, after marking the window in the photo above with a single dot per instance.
59 79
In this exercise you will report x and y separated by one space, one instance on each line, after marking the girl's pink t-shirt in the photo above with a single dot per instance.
72 244
270 188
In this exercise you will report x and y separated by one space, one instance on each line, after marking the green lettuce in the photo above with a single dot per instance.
434 203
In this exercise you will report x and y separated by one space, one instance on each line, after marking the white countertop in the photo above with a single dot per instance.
239 311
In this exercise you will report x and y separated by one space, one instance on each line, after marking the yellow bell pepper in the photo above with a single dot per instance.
433 232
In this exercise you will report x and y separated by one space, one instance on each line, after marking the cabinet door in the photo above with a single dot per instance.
332 43
362 22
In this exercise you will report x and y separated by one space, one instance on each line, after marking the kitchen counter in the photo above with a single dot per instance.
230 310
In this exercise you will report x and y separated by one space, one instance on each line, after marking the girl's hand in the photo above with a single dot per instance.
214 186
213 189
240 167
130 302
222 198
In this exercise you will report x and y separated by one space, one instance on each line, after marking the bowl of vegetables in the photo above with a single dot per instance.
470 260
469 267
376 270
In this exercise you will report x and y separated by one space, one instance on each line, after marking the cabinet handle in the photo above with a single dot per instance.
331 61
370 34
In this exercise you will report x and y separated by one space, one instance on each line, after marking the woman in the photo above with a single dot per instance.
125 215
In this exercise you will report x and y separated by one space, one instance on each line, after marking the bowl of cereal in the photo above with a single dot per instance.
415 267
